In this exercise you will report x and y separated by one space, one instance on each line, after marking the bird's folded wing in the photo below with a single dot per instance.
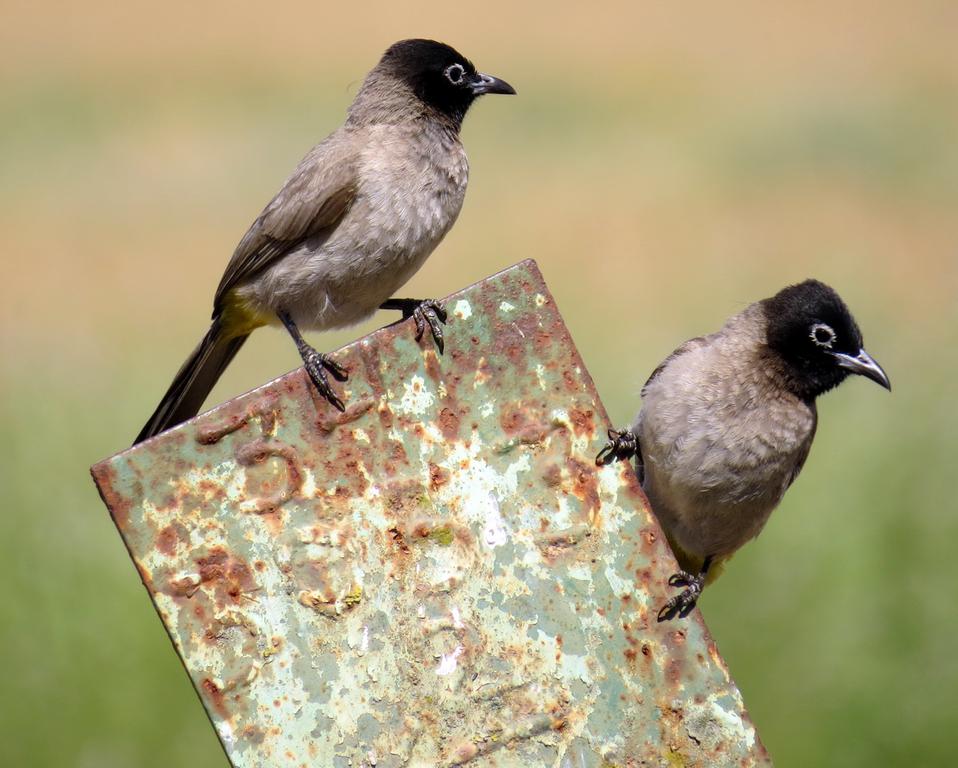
314 198
698 341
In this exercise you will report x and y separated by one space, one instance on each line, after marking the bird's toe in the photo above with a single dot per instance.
622 445
339 373
432 313
316 365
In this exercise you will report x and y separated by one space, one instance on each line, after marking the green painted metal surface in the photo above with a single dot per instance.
440 576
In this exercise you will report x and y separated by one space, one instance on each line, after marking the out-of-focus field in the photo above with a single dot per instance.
665 164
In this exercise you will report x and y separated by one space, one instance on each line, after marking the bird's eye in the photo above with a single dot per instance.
823 335
454 73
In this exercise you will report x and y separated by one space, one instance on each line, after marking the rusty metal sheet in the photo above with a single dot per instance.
440 576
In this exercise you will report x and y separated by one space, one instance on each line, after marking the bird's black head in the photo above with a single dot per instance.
440 76
815 338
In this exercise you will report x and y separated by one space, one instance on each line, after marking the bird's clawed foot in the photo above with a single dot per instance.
316 364
429 312
682 604
622 445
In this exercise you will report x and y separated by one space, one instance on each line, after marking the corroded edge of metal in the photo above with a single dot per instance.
450 519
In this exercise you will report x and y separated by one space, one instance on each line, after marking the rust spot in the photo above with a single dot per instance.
463 535
226 572
585 485
328 419
543 341
431 363
211 490
583 422
166 541
215 697
449 423
183 587
552 475
644 576
516 354
673 672
438 476
533 434
483 371
105 476
212 566
345 467
239 580
398 539
398 454
511 420
405 497
385 416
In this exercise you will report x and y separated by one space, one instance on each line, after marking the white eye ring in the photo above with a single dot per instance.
454 73
820 328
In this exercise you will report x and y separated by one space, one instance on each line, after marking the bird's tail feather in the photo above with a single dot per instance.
193 382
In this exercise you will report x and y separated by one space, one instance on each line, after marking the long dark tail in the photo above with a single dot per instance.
193 382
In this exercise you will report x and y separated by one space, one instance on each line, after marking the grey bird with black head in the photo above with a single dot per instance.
728 419
354 221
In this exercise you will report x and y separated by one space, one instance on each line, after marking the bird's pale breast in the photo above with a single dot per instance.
410 188
720 444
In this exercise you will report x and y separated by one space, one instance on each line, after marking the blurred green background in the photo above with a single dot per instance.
665 163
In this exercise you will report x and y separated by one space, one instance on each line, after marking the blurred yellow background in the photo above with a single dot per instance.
665 163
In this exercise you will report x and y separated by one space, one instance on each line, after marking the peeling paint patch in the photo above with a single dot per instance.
462 310
416 398
449 661
495 533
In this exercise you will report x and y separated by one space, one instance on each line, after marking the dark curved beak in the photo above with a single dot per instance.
863 365
488 84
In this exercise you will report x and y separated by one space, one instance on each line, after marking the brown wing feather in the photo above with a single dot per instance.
691 344
698 341
314 198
